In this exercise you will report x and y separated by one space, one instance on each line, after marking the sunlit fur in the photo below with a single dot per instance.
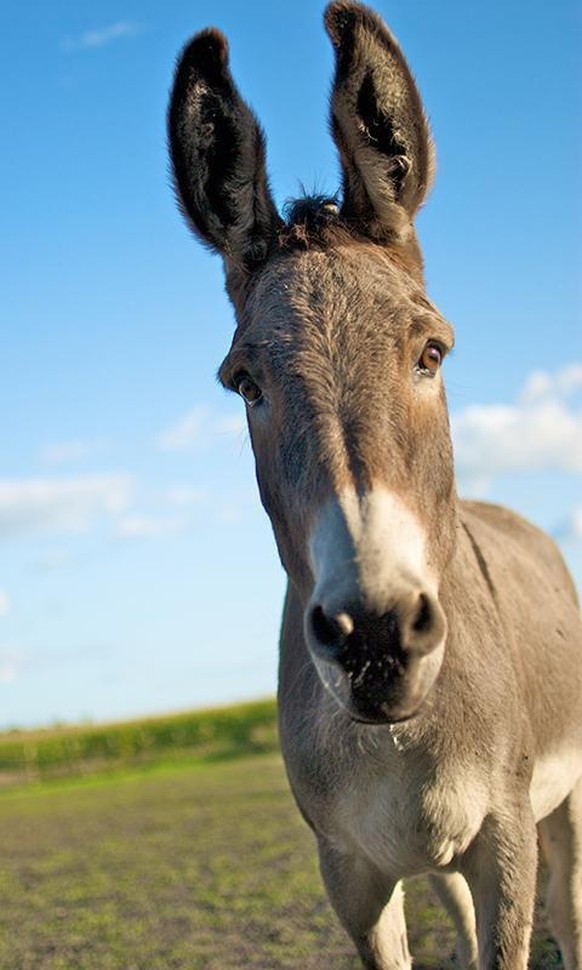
430 679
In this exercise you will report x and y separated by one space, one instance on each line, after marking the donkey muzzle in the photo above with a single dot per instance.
373 625
379 666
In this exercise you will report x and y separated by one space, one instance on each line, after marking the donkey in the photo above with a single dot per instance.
430 689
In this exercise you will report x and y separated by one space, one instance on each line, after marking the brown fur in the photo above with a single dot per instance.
430 679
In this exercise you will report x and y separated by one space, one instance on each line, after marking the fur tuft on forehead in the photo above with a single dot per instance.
313 222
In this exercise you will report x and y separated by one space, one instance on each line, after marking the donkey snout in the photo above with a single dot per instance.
379 665
414 627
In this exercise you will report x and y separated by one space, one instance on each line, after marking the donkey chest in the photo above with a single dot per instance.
406 823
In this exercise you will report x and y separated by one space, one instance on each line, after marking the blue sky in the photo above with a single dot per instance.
137 570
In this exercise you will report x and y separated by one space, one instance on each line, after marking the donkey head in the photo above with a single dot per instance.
337 354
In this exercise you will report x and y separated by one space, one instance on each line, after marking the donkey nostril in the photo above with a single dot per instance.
425 626
330 631
326 630
424 618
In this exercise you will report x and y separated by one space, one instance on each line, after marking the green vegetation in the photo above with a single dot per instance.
200 869
184 866
30 756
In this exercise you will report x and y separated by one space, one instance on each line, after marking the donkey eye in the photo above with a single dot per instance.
249 391
430 360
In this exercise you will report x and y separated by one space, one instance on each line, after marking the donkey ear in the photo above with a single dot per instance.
217 151
378 124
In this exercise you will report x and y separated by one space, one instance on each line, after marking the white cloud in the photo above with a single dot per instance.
542 431
5 604
60 505
185 495
93 39
59 452
12 659
198 427
540 384
149 527
184 433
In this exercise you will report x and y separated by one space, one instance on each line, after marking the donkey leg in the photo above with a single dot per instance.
370 907
561 834
455 895
500 868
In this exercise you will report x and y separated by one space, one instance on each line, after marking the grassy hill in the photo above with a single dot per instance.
207 735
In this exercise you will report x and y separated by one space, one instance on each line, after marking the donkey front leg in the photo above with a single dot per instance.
561 836
370 907
500 868
455 895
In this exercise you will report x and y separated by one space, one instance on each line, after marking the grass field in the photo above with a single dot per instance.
204 867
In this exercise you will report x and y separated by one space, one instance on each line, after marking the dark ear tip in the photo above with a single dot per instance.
206 54
339 19
342 16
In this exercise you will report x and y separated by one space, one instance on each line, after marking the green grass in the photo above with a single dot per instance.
32 756
205 867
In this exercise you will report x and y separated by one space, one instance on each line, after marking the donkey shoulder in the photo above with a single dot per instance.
502 538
